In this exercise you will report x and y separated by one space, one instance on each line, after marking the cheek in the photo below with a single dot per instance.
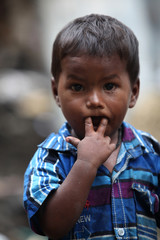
70 101
69 109
119 105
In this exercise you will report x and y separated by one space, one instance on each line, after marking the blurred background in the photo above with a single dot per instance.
27 109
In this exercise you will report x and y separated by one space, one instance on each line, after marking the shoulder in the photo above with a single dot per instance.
151 141
146 140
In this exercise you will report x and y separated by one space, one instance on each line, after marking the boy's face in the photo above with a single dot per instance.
94 87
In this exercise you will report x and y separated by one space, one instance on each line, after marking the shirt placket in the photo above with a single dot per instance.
118 212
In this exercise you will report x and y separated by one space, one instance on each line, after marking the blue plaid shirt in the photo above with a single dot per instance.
123 204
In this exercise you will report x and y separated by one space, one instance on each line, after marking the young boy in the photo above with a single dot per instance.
98 178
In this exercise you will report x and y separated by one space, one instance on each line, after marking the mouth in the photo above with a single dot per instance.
96 121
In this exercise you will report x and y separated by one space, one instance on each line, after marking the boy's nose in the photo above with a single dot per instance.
94 100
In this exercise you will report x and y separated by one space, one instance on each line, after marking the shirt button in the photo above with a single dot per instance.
121 232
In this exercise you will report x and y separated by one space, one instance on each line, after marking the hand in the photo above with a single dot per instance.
95 147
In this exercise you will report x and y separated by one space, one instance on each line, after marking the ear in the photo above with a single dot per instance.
135 93
55 91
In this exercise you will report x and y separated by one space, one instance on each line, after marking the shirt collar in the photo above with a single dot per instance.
58 141
135 141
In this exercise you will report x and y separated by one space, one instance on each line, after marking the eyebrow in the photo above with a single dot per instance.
79 78
110 77
74 76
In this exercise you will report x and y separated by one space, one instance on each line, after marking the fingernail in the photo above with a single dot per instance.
67 139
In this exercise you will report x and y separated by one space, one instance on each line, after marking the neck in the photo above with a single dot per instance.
119 137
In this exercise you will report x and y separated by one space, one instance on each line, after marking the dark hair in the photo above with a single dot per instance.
99 36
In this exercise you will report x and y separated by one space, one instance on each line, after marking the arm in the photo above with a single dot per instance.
63 208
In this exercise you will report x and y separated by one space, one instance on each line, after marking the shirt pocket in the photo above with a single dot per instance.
146 200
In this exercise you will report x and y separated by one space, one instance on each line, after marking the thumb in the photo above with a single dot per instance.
74 141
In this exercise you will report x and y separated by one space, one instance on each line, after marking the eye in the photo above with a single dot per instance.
109 86
77 87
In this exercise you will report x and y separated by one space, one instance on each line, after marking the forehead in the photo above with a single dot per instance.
87 63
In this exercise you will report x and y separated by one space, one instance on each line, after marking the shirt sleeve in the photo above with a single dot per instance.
41 177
